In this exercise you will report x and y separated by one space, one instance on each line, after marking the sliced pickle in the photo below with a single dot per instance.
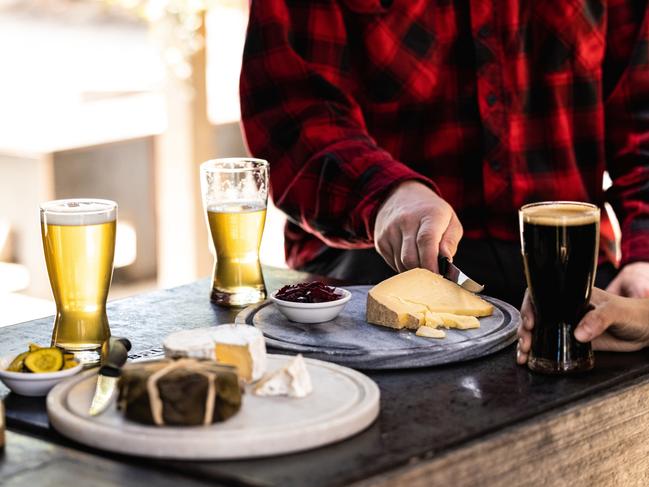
33 347
44 360
69 363
16 364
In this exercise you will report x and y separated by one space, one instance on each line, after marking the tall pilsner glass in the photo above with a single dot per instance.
559 241
79 244
235 194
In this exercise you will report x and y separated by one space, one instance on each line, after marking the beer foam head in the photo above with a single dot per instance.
78 212
560 213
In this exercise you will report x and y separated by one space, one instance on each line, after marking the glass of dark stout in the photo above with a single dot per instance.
559 242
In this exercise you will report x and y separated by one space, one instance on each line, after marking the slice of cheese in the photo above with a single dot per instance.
428 332
292 380
242 346
403 301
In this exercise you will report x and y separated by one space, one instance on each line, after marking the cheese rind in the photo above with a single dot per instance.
404 300
292 380
196 343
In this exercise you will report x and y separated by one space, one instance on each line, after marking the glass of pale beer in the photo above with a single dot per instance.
235 194
79 244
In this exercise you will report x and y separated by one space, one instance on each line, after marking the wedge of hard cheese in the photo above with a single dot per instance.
405 300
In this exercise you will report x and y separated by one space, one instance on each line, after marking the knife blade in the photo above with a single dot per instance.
114 354
453 273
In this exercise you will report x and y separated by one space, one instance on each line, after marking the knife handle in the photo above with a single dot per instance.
442 264
115 356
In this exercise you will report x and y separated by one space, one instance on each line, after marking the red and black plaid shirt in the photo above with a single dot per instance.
493 103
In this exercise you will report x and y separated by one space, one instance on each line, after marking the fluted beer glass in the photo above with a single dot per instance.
560 241
235 194
79 245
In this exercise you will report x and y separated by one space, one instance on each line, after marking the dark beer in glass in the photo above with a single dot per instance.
559 242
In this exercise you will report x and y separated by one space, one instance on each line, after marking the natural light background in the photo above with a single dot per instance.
83 86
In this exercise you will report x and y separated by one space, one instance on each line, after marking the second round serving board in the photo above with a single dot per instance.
351 341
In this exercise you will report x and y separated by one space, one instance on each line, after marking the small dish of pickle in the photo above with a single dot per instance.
35 371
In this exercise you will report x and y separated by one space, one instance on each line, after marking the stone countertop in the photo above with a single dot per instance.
425 413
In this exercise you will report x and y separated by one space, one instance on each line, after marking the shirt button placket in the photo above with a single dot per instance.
490 87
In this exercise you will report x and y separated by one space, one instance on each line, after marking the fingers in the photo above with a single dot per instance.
412 224
428 238
524 345
635 289
521 357
525 330
527 312
632 281
615 286
409 257
385 248
593 324
451 238
598 296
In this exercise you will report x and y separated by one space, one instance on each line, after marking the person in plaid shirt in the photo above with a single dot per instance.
407 128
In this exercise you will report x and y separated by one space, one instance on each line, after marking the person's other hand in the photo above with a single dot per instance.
615 324
632 281
413 226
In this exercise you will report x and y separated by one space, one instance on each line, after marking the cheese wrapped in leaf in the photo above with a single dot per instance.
184 392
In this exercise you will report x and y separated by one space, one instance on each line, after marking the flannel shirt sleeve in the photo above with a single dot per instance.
327 173
627 126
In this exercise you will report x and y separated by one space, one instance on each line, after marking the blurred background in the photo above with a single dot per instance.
117 99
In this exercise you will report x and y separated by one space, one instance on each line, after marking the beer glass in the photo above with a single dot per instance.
559 242
79 245
235 193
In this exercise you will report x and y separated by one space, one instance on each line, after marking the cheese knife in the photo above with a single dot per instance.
114 353
453 273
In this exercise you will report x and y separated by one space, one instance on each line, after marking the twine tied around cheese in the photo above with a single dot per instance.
154 394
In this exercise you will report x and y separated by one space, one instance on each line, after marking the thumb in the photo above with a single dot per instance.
451 238
593 324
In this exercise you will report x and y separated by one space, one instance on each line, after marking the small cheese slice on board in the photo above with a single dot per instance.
292 380
404 300
429 332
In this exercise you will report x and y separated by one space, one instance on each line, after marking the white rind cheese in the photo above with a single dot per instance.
196 343
242 346
292 380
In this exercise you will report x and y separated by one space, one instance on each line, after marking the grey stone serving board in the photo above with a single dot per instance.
349 340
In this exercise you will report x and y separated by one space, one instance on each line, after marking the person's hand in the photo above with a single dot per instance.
615 324
632 281
413 226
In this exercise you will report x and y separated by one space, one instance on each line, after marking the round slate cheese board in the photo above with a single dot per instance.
351 341
343 403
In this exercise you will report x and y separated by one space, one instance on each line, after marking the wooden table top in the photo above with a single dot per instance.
487 421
